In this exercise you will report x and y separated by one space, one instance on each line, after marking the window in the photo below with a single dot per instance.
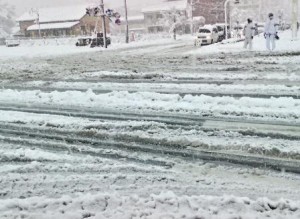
83 30
204 31
159 16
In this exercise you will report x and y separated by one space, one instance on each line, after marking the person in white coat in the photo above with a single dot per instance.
249 31
271 33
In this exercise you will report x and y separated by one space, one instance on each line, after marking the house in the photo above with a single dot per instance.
135 24
212 10
154 14
259 9
60 21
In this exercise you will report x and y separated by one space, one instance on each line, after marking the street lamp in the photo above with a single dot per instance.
191 9
226 22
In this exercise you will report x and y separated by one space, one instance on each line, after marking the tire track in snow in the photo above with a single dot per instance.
182 93
46 140
175 119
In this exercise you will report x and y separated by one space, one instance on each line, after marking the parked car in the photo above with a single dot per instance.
208 34
85 41
12 43
99 42
221 31
93 41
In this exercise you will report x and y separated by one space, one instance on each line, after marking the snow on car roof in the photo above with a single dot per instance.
208 26
166 6
64 25
55 14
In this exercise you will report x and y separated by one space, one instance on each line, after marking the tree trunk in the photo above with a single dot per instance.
174 34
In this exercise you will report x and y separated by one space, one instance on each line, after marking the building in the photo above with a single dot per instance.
154 14
258 10
61 21
135 23
212 10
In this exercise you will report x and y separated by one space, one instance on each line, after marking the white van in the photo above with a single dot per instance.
208 34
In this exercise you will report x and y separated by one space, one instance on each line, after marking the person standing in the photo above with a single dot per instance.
249 31
271 33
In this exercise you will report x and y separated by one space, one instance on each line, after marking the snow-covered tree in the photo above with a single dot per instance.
6 19
197 22
238 15
172 20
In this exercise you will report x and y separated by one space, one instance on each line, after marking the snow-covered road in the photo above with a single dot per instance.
153 131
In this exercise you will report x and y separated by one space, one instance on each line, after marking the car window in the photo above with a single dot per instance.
204 31
238 28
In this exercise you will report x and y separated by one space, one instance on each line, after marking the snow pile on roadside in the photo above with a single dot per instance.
273 109
60 47
163 205
212 76
285 44
256 89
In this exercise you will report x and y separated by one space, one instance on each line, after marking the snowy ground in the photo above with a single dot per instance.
153 129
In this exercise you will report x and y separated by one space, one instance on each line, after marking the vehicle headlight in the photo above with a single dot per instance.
208 37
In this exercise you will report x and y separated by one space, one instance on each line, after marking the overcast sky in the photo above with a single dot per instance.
25 5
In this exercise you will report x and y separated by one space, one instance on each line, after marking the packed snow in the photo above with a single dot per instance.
95 133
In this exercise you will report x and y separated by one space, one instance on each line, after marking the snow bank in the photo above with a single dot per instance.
170 88
163 205
273 109
285 44
66 46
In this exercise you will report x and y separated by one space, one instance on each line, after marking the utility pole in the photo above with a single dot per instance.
126 20
36 11
103 23
226 16
295 6
192 17
38 23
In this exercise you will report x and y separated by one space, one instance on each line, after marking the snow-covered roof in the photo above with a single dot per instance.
134 18
65 25
66 13
166 6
